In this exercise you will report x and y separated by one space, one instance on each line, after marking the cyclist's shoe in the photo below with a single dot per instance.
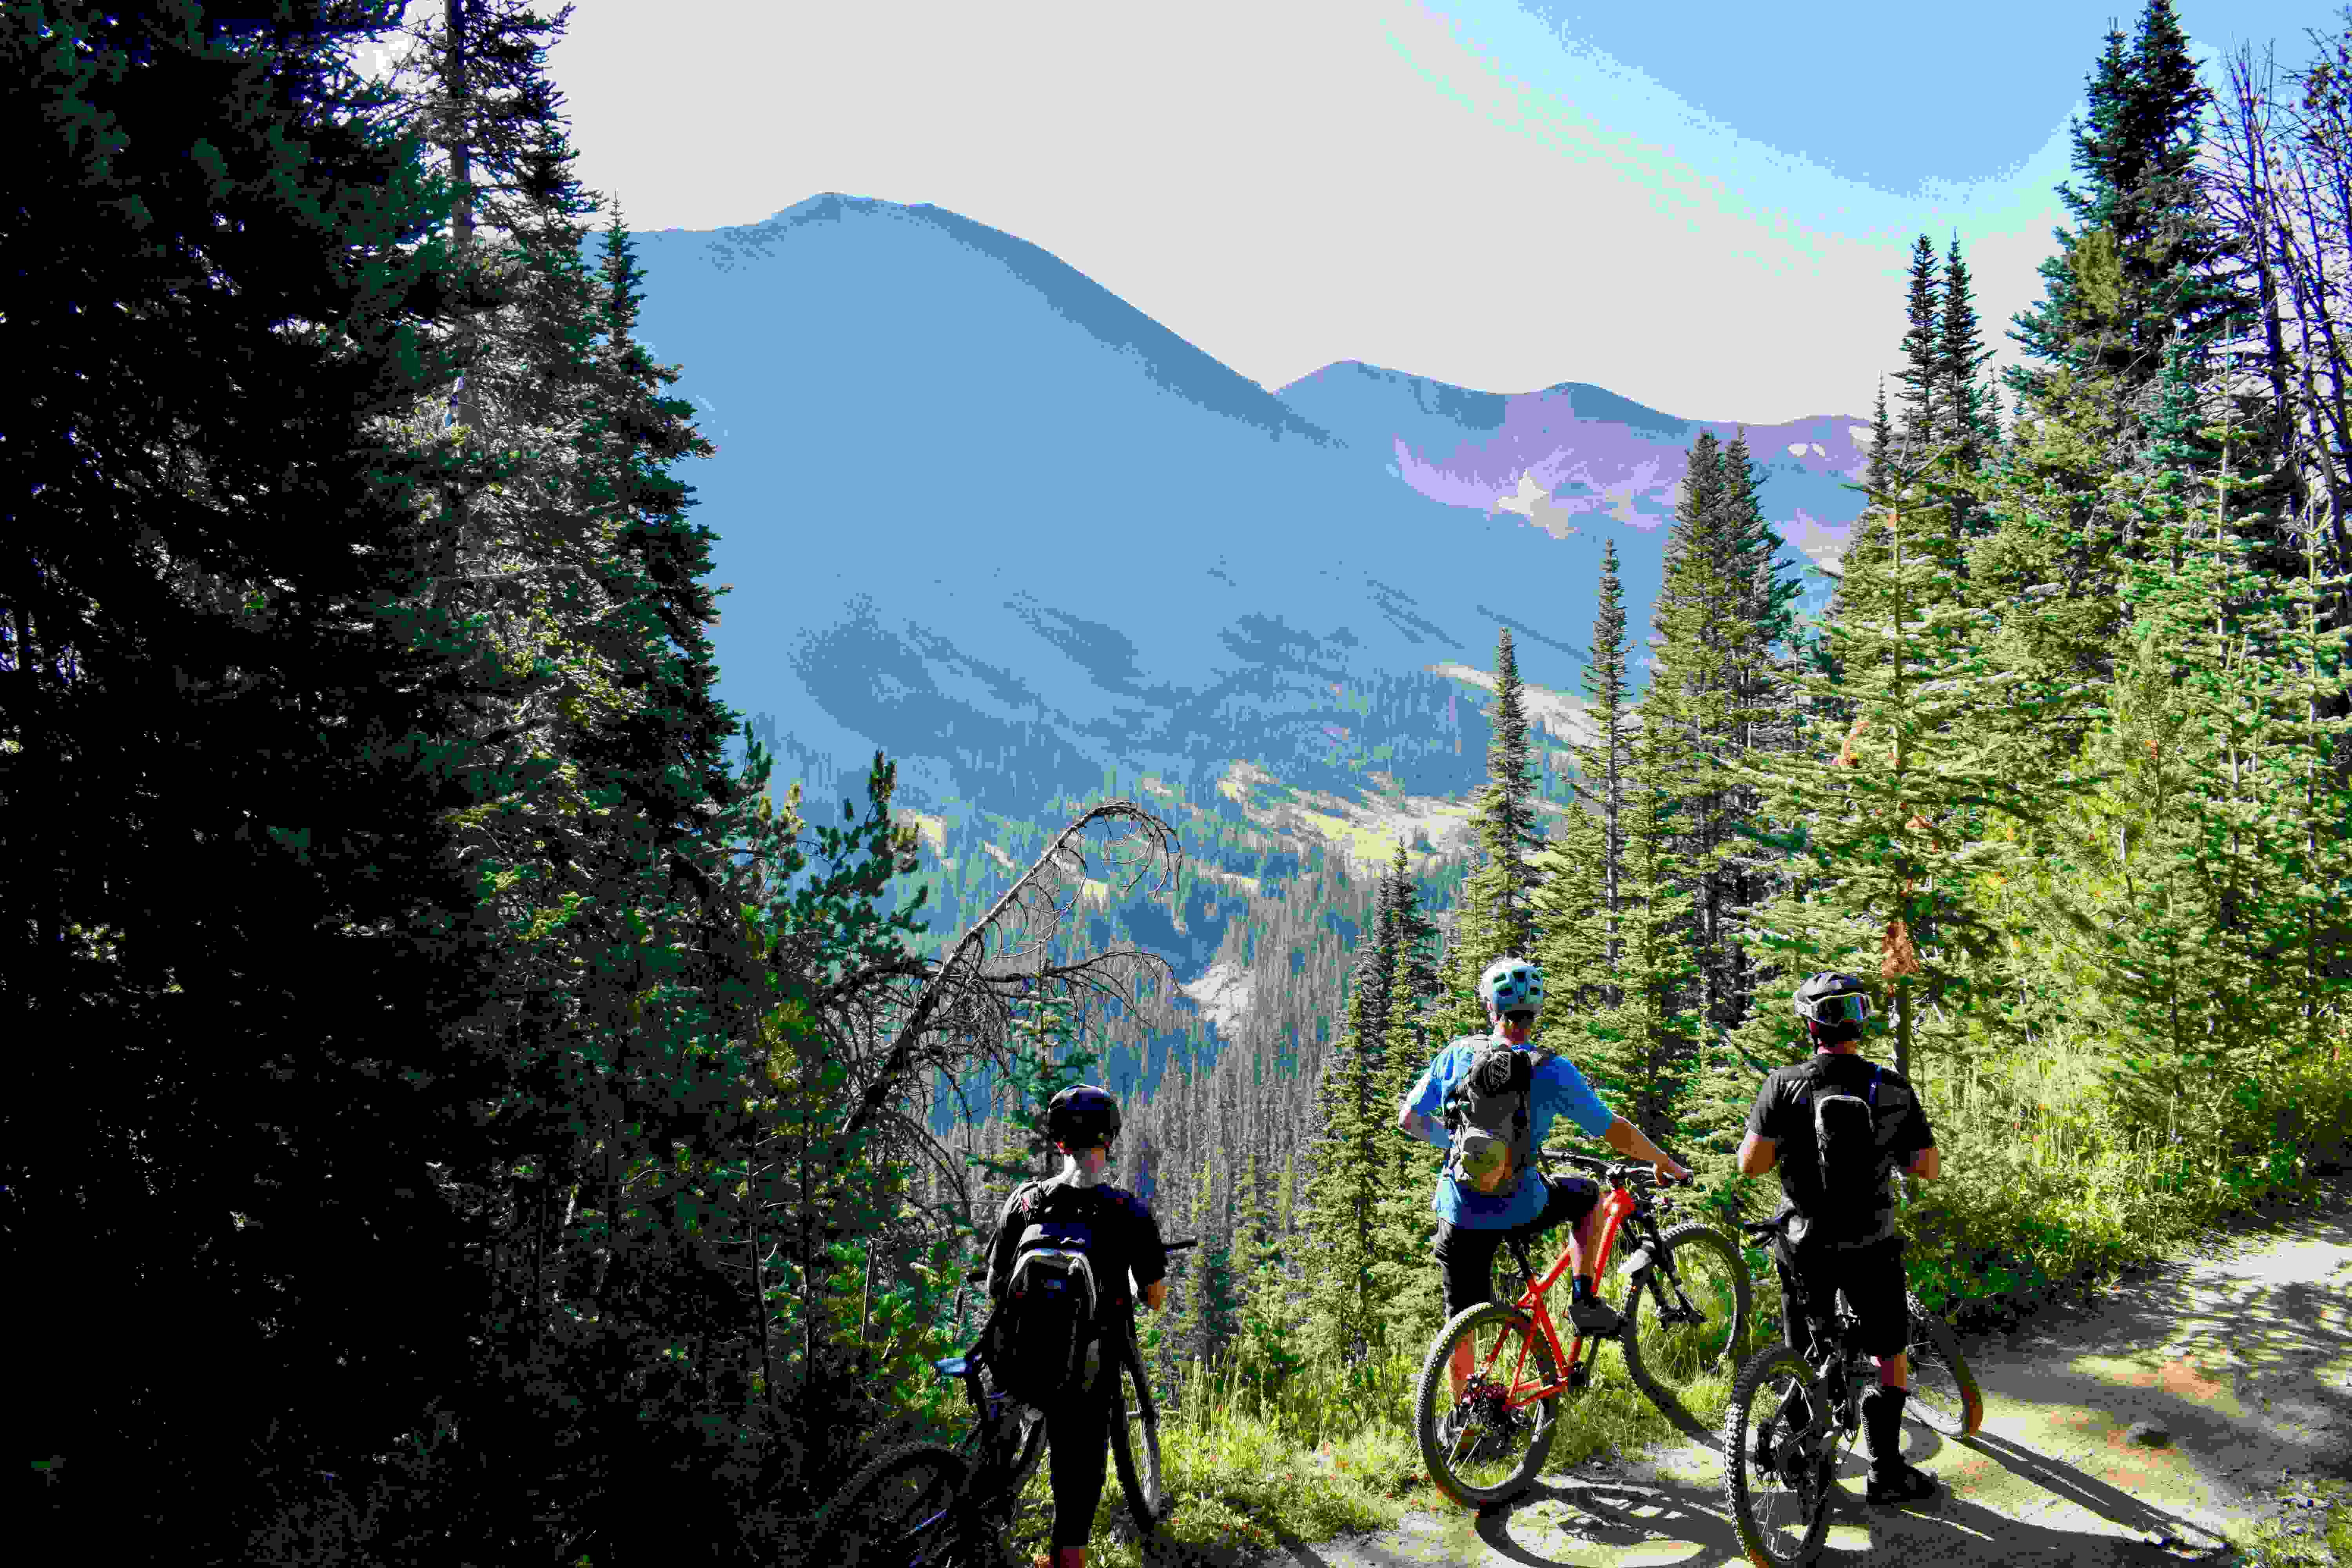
1901 1486
1594 1316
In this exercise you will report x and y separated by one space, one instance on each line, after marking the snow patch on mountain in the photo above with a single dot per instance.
1223 994
1562 716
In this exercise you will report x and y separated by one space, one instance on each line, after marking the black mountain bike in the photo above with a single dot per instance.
928 1505
1686 1310
1792 1421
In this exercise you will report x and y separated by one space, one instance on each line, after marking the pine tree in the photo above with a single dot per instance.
2139 270
1890 821
1495 917
1924 418
1968 427
1264 1358
2189 871
1347 1164
1601 765
1405 1277
1713 682
228 754
1576 924
1639 1054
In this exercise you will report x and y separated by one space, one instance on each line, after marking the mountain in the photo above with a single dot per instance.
986 516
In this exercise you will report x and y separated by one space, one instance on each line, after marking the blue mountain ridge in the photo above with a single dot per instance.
984 515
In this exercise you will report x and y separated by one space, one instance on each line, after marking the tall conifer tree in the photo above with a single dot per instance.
1922 383
1601 765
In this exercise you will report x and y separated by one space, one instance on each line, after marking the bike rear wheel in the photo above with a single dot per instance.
1135 1443
1479 1449
908 1509
1686 1314
1944 1392
1779 1457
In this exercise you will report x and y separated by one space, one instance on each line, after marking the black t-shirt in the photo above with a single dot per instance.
1125 1237
1783 1112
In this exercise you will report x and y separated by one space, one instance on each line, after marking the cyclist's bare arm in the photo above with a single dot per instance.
1626 1139
1155 1295
1927 1165
1756 1156
1424 1127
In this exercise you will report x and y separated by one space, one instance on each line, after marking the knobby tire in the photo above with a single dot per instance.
1781 1510
908 1506
1700 1263
1135 1443
1471 1471
1944 1392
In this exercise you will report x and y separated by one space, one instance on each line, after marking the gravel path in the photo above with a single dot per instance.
2237 1360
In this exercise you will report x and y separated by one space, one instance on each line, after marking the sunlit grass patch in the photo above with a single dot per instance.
2314 1532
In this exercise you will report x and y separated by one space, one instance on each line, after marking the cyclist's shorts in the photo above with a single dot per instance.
1873 1281
1468 1256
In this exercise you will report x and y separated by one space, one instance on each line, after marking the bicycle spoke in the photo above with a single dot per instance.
1778 1454
1487 1444
1687 1316
1944 1393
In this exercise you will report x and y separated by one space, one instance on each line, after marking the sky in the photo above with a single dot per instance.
1706 207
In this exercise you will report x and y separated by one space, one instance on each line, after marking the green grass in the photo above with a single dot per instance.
2313 1531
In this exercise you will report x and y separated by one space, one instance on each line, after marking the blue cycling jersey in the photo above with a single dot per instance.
1558 1089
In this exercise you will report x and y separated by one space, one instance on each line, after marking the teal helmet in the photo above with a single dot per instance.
1512 986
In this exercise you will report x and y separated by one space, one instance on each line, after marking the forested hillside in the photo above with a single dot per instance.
468 1116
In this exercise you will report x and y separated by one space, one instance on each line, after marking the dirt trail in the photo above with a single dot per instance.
2242 1356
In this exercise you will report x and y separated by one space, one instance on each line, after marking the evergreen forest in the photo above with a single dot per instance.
473 1111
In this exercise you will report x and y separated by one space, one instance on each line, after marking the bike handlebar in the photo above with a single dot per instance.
1620 1172
980 1276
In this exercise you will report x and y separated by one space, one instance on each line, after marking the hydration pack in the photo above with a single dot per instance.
1043 1344
1850 1204
1486 1111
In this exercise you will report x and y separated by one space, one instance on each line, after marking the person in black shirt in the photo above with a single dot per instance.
1864 1258
1083 1121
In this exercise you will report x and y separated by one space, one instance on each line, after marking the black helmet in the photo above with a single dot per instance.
1838 1004
1082 1116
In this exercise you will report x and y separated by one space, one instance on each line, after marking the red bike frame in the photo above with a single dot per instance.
1613 1210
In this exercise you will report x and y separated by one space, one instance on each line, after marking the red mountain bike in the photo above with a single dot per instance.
1685 1312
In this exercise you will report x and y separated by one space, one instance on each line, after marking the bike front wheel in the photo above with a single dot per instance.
1944 1392
1778 1455
1487 1445
1135 1444
906 1509
1686 1314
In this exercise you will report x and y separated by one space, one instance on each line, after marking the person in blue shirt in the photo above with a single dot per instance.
1471 1224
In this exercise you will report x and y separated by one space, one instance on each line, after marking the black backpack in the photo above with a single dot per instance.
1043 1344
1848 1204
1486 1111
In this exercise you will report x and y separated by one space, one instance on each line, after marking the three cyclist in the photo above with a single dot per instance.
1472 1223
1841 1236
1083 1121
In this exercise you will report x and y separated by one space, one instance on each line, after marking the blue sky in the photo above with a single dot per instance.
1705 207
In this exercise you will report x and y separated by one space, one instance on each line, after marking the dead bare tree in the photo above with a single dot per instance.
2281 180
962 1017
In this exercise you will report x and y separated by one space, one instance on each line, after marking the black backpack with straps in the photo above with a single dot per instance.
1043 1344
1845 1204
